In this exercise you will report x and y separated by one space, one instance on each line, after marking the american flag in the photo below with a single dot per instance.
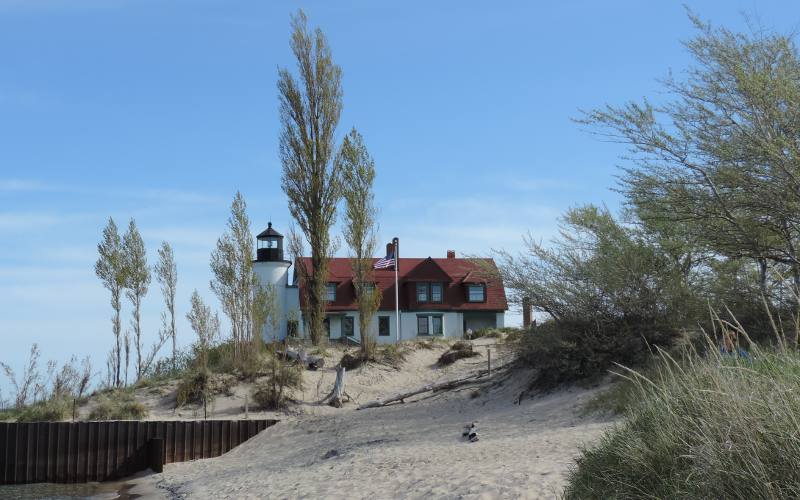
385 262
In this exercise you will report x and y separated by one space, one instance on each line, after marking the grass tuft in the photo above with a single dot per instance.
717 426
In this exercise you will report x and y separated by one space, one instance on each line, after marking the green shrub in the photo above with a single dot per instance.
569 352
118 406
194 387
53 410
272 392
714 427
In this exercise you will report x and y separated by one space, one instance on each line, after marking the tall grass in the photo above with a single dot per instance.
712 426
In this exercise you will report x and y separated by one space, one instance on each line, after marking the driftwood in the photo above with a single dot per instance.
310 362
442 386
338 388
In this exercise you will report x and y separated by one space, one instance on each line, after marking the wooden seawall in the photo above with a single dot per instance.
77 452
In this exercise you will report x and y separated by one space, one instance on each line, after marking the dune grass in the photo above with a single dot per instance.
712 426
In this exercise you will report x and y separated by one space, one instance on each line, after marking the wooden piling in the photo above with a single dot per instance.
72 452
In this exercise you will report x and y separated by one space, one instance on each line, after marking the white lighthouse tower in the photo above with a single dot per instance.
271 268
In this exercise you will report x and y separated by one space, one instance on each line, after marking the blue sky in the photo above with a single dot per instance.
161 110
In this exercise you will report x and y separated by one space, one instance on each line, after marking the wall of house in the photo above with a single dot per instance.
452 324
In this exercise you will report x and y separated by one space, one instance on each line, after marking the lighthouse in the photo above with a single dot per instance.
272 269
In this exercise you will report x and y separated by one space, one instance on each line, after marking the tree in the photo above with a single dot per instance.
234 282
167 276
309 110
721 159
137 281
358 171
26 386
110 268
205 325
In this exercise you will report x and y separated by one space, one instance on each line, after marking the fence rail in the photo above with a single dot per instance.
77 452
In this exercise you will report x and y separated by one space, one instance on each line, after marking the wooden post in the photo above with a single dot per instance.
73 409
155 460
338 388
245 407
489 360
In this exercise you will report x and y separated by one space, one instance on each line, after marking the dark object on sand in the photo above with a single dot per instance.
470 432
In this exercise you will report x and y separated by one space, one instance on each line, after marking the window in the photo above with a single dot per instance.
476 293
422 292
430 325
422 325
436 292
436 325
330 288
383 326
291 328
347 326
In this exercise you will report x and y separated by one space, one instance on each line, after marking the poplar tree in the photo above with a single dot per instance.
137 281
110 268
310 106
358 170
247 304
167 276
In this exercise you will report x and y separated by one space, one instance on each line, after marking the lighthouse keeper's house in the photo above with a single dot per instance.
441 297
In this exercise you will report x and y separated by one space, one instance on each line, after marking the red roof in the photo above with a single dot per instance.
454 274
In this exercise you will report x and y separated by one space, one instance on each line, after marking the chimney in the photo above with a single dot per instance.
451 254
526 312
389 248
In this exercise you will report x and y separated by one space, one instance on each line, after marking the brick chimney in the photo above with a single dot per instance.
451 254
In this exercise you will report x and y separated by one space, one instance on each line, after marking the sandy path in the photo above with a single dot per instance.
411 450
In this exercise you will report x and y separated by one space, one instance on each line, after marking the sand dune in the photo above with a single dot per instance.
411 450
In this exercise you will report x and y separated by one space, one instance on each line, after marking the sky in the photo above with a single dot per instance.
160 110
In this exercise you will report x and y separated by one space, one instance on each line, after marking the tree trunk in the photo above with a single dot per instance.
452 384
338 388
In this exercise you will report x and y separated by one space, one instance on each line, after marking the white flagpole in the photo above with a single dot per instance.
396 287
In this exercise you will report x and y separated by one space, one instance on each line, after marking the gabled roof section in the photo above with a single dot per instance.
454 273
427 270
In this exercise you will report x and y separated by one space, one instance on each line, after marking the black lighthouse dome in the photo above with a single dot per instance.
269 245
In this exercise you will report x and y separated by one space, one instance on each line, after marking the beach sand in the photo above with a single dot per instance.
409 450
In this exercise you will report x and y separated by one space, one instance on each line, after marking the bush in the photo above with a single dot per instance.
53 410
118 406
719 427
351 362
492 333
461 345
272 392
393 355
569 352
195 387
459 350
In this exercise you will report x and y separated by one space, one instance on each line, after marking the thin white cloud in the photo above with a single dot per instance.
26 185
59 4
164 195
